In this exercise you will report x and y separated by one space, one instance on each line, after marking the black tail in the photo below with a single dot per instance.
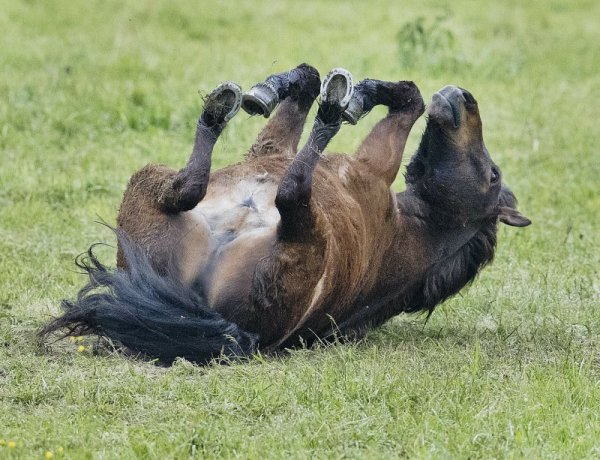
147 313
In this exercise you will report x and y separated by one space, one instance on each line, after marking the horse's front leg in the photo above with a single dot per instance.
381 151
294 92
294 192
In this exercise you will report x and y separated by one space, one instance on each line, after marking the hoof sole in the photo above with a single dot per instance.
224 101
337 87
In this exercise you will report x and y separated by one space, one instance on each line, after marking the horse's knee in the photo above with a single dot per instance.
294 191
185 191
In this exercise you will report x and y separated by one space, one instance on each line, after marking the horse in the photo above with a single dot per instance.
292 246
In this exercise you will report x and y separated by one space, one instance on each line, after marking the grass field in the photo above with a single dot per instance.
91 91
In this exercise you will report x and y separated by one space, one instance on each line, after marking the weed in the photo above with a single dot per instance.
429 44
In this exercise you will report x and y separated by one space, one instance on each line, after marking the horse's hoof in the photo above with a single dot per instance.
354 111
260 100
224 101
362 101
337 87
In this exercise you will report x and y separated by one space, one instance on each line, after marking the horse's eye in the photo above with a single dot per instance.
495 176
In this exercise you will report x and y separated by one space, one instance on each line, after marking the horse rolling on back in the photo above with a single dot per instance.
291 246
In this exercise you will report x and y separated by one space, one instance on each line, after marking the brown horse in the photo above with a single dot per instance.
288 247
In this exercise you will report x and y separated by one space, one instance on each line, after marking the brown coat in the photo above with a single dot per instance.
291 247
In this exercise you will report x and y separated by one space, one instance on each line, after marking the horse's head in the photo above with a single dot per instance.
452 170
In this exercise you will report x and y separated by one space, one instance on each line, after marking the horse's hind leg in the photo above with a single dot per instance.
296 90
151 211
294 192
185 189
382 149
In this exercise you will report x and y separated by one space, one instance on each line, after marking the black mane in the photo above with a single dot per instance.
441 281
448 276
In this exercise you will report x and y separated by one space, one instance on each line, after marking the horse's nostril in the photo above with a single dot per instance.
468 97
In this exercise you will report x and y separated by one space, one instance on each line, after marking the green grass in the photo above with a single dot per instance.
91 91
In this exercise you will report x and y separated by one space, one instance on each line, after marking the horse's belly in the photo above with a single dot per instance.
232 208
228 282
242 219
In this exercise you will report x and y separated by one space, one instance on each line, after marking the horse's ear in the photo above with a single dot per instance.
508 209
510 216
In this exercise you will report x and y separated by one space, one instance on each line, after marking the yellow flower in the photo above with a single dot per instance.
80 338
48 455
2 442
80 348
11 444
72 339
60 450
